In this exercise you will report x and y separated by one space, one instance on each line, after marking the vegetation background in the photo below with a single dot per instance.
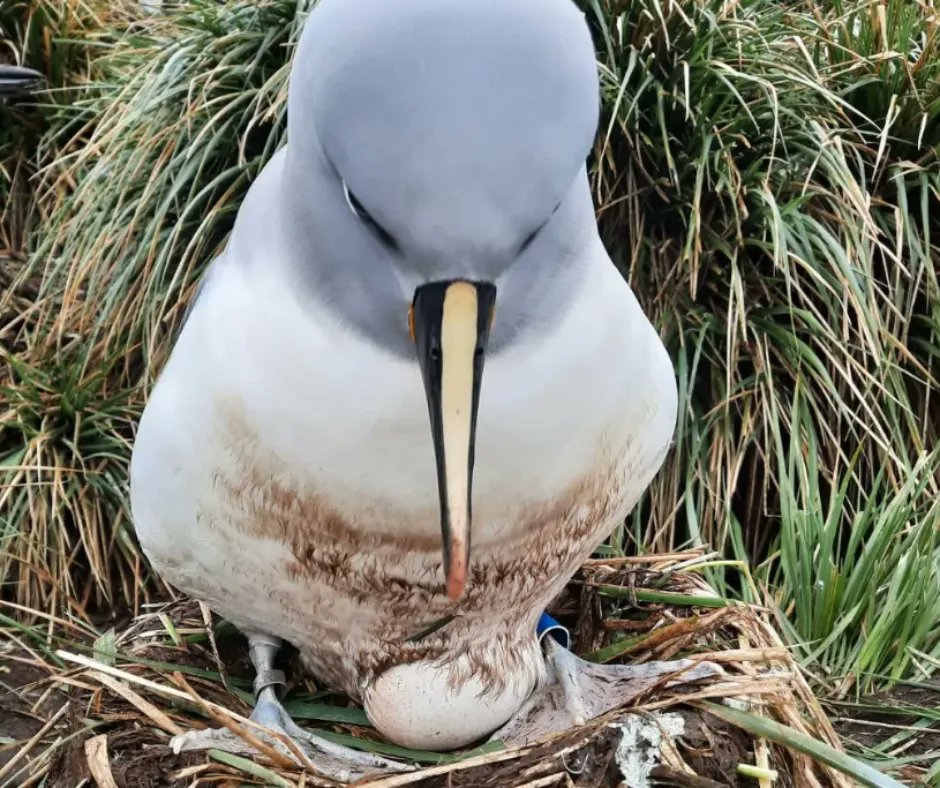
767 177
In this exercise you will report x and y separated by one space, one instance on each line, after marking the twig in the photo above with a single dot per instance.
160 719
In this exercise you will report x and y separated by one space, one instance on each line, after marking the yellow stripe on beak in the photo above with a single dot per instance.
458 348
450 323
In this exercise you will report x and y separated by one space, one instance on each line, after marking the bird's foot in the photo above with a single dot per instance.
577 691
289 740
280 734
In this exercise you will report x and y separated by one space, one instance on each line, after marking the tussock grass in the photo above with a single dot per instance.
48 36
860 600
767 178
772 196
180 111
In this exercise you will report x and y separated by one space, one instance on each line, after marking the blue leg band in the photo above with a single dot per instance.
549 627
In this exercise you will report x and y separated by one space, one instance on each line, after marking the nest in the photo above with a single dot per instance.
172 670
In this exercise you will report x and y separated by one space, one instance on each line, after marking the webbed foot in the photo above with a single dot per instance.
577 691
324 757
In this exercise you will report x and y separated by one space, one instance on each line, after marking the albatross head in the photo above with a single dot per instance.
438 195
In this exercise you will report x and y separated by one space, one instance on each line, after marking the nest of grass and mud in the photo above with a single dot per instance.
102 710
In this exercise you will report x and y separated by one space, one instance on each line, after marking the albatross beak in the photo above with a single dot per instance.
450 324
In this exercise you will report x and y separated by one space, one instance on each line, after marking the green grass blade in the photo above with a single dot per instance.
788 737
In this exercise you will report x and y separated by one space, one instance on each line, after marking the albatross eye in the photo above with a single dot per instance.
366 218
532 236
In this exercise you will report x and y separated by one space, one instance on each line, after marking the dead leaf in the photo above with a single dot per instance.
96 753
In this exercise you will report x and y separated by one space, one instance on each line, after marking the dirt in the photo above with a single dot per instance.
25 704
139 758
884 716
713 748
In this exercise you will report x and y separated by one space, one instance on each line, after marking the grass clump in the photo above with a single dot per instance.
776 216
48 37
180 113
856 572
767 178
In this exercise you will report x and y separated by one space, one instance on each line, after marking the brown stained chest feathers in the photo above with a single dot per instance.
356 554
373 558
